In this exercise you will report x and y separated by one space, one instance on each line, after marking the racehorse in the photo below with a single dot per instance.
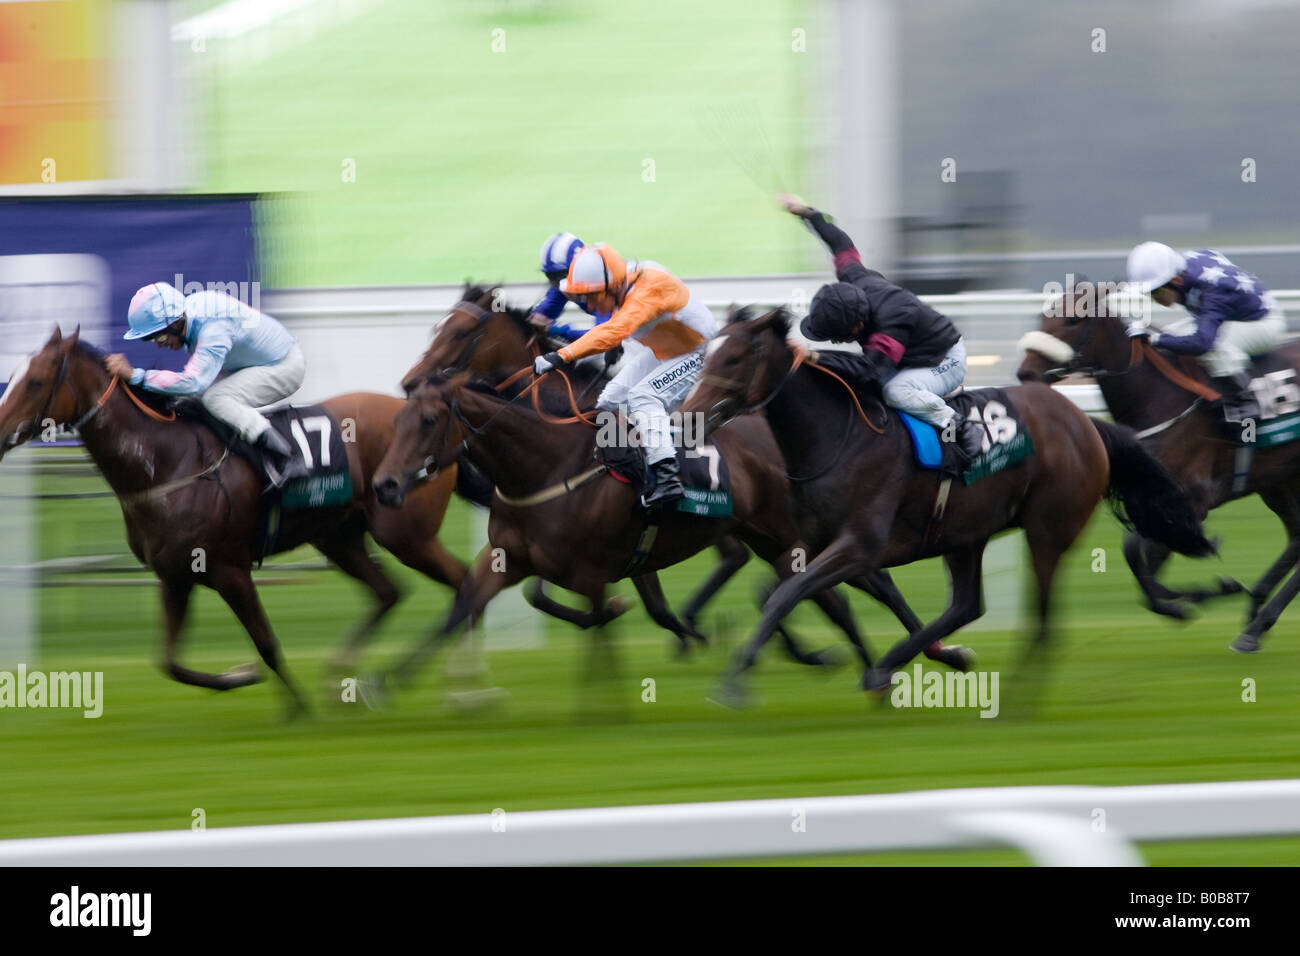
483 335
1169 403
554 517
185 498
870 506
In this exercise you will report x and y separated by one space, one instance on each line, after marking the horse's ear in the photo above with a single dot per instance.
733 311
57 335
73 339
781 322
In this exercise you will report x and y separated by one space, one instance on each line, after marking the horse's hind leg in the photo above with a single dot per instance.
347 549
656 605
235 585
176 601
1145 559
1287 506
540 599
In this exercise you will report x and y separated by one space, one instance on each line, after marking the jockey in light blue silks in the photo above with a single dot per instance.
1233 317
262 363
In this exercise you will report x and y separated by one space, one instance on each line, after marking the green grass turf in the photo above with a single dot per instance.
1132 699
467 159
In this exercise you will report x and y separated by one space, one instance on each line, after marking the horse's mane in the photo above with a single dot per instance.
155 400
475 291
750 313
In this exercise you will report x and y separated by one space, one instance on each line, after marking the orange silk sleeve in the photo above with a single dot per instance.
656 293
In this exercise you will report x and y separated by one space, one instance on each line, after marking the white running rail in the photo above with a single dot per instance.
1055 826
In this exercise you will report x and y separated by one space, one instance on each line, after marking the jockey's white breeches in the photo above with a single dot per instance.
651 388
1236 342
234 398
920 391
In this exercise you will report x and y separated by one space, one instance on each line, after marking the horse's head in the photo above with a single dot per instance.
480 334
427 436
1081 330
743 366
36 395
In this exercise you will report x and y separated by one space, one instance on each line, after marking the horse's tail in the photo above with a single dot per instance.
1145 498
473 485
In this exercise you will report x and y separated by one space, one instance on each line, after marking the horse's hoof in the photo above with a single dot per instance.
1229 585
875 680
374 692
617 606
731 695
243 675
1245 644
957 656
830 658
1178 612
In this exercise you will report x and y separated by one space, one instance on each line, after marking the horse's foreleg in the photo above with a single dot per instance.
734 556
348 552
881 586
1271 578
481 585
176 602
235 585
843 559
965 604
1263 619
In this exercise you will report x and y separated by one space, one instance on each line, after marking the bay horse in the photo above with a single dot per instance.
869 506
184 497
554 515
484 335
1170 403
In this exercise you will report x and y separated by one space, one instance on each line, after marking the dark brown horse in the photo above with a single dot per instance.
558 516
485 336
1165 400
192 511
868 505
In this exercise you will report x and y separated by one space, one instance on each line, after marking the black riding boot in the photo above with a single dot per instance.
970 440
1239 402
281 465
668 484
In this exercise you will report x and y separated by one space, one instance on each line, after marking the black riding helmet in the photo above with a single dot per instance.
835 311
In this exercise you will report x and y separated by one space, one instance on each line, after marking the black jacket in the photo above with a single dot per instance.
901 330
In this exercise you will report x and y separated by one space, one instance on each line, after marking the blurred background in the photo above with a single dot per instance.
350 162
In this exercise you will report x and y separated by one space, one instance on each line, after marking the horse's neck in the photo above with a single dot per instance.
1139 396
515 450
123 443
804 421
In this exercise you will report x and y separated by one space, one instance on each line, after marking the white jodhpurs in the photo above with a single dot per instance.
235 397
1236 342
652 388
920 391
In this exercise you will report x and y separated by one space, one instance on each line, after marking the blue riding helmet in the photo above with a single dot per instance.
558 251
152 309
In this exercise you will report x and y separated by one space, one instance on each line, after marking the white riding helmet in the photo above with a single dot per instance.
1152 264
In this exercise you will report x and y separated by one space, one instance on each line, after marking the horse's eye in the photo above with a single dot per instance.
429 421
462 335
34 385
731 360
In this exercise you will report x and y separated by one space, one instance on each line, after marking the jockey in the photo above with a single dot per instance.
657 310
557 254
915 353
1233 316
262 361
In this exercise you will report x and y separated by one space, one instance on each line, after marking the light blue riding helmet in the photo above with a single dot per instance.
558 251
152 309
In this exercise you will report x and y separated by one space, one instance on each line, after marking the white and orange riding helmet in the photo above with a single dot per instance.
597 270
